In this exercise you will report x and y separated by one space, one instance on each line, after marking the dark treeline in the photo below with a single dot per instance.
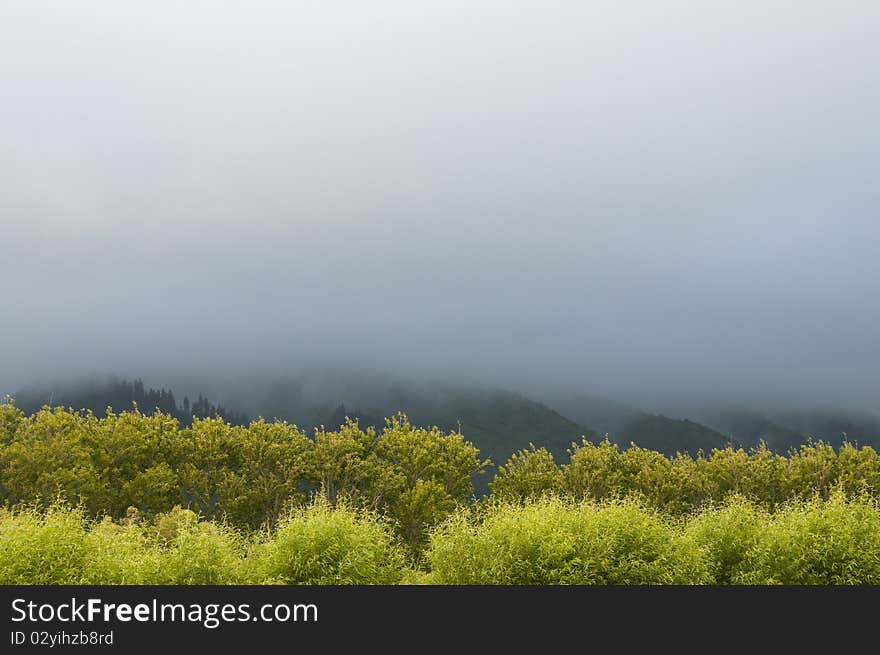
122 394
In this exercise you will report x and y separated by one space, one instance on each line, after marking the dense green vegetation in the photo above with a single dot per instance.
134 498
316 545
550 540
498 422
553 541
684 484
248 476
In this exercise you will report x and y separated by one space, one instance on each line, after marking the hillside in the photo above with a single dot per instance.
749 428
669 435
625 425
784 429
832 425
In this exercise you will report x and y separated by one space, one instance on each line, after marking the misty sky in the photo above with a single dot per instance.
658 199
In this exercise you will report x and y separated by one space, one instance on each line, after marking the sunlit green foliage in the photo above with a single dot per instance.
248 476
317 545
819 542
554 541
328 545
528 473
427 475
684 484
414 476
133 498
190 552
11 419
41 548
550 540
731 534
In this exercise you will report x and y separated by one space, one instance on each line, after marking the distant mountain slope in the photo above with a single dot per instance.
669 435
625 425
749 428
605 416
832 425
784 430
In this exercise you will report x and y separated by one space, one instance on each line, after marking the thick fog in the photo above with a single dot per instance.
654 199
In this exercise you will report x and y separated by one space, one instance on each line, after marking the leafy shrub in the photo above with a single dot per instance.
119 554
757 474
820 542
48 460
545 541
595 471
554 541
415 477
527 474
272 476
42 547
749 515
859 470
731 534
193 552
322 544
11 418
814 468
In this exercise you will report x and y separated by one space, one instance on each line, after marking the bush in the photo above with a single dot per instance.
731 535
328 545
554 541
595 471
858 470
527 474
544 541
119 554
47 459
193 552
59 546
833 542
11 419
813 468
413 476
42 548
757 474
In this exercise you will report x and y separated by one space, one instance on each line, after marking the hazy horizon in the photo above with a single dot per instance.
661 202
